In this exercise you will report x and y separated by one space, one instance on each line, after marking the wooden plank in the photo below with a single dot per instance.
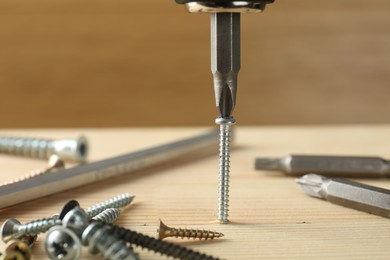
271 218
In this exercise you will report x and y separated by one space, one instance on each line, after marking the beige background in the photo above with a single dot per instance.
71 63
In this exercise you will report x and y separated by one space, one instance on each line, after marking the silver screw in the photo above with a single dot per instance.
224 166
13 229
62 243
66 149
99 240
108 215
116 202
97 236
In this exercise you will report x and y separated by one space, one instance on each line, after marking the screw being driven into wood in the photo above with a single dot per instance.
224 166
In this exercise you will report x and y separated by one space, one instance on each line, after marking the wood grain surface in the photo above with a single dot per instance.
270 217
70 63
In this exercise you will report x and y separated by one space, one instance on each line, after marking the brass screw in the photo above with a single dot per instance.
20 248
165 231
55 164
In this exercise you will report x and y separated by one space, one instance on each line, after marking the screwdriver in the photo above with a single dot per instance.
347 193
225 65
340 166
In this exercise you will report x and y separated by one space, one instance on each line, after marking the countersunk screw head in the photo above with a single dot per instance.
9 228
62 243
55 163
72 149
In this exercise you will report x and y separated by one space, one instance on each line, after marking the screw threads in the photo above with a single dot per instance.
156 245
37 226
165 231
29 147
108 215
114 249
225 136
100 239
116 202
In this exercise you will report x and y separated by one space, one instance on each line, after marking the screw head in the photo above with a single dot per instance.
76 220
62 243
9 229
89 231
225 120
18 247
95 238
55 163
14 256
68 207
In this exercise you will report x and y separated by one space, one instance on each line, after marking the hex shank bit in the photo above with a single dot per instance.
340 166
347 193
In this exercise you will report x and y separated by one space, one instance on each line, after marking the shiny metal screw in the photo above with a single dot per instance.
13 229
116 202
55 164
67 149
108 215
62 243
224 167
98 236
165 231
99 239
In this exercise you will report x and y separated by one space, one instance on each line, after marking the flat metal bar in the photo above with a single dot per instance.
47 184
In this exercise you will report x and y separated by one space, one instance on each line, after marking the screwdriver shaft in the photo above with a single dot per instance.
347 193
340 166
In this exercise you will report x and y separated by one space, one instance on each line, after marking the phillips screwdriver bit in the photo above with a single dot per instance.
340 166
225 59
347 193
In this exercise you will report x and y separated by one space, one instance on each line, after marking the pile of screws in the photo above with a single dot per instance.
75 227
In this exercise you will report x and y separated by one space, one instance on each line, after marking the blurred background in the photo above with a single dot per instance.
92 63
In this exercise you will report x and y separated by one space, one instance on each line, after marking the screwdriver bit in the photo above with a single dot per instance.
225 59
340 166
347 193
